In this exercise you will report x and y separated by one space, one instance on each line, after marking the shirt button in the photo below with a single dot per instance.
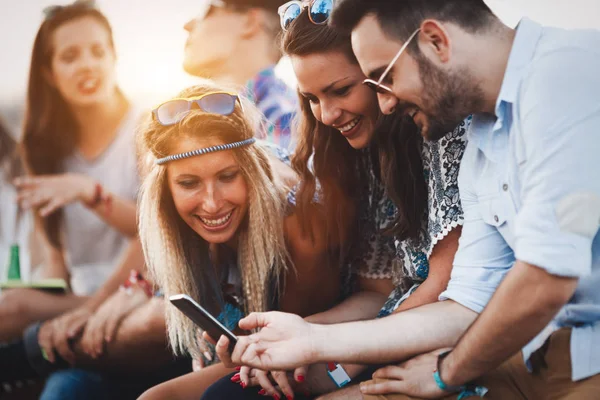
505 187
496 218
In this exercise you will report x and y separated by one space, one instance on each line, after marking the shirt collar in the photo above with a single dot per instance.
485 128
524 45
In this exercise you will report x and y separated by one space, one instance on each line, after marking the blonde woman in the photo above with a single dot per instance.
213 224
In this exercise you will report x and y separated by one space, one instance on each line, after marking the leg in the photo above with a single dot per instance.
75 384
21 307
140 343
555 372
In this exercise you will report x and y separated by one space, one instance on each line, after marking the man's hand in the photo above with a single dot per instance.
102 326
57 333
284 342
413 378
51 192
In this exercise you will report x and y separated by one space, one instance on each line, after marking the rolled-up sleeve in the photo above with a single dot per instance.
483 258
558 160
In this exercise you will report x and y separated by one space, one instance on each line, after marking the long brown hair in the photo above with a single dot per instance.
333 176
50 129
395 150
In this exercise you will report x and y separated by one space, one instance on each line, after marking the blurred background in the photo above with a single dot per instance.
150 39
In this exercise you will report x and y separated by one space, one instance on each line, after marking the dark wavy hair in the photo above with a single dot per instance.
50 130
396 151
400 18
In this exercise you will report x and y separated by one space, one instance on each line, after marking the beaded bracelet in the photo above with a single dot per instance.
137 279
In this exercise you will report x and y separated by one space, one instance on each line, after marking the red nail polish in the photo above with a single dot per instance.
243 385
276 397
262 392
288 397
300 378
236 378
238 368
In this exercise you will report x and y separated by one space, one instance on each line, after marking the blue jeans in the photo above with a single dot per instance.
74 384
79 384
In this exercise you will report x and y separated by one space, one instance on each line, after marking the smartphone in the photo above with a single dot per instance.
202 318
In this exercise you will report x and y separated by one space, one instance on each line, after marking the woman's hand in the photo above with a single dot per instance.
51 192
58 333
102 326
279 383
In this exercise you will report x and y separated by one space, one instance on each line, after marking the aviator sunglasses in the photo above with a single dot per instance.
173 111
319 11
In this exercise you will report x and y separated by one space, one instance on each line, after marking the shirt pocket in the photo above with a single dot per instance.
499 211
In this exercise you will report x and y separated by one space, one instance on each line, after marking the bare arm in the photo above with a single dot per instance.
362 305
54 265
533 297
132 258
311 284
440 268
433 326
51 192
120 214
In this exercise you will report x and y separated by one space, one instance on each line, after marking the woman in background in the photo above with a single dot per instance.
79 155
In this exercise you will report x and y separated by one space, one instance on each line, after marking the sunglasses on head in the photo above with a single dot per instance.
172 111
377 85
319 11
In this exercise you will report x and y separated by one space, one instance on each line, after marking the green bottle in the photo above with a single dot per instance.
14 265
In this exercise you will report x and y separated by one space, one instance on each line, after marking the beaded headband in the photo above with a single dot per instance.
207 150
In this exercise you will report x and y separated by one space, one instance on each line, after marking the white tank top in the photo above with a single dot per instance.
92 247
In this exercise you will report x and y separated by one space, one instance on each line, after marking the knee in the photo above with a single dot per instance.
14 304
157 393
151 319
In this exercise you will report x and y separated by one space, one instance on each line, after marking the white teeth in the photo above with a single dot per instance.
216 222
89 83
349 125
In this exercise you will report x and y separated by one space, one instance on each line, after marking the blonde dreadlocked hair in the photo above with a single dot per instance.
178 259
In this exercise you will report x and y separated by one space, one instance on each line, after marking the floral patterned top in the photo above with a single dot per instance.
441 162
375 255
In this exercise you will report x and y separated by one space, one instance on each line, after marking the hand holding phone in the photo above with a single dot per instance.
202 318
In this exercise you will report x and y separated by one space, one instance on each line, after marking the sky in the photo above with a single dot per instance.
150 38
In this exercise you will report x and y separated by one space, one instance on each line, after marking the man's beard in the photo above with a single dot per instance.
447 99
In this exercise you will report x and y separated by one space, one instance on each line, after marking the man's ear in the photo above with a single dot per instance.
253 22
434 41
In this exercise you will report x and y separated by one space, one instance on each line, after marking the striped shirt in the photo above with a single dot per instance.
277 102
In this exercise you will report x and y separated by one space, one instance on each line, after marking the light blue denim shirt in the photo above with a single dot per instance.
530 183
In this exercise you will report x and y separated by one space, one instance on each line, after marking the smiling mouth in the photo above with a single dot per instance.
88 85
216 222
347 127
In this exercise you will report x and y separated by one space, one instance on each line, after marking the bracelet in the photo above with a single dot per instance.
437 376
338 374
467 390
99 198
137 279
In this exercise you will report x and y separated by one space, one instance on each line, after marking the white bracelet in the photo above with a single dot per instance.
338 374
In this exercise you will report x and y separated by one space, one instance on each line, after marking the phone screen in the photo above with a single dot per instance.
202 318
